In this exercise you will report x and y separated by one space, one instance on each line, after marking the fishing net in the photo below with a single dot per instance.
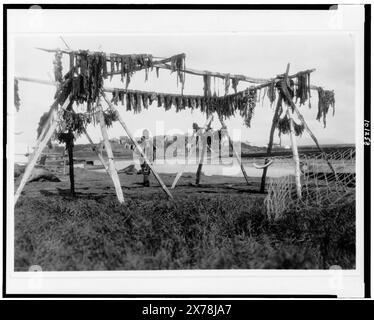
320 186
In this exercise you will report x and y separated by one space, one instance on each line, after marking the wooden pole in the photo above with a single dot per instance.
64 160
39 149
70 146
138 147
202 154
111 167
231 143
271 138
295 154
261 83
284 86
300 116
194 135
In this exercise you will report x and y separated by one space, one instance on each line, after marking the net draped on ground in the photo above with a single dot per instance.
321 188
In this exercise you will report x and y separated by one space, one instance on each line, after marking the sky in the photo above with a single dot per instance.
255 55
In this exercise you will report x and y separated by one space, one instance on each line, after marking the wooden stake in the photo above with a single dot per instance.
270 144
138 147
300 116
202 154
40 145
284 83
231 143
295 155
180 173
111 167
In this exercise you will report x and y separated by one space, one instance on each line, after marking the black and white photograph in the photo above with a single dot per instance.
193 146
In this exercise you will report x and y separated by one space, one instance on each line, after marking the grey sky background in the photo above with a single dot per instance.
258 55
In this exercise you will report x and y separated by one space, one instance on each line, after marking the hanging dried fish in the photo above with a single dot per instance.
152 97
302 91
160 100
117 60
234 83
132 101
104 63
111 66
138 102
178 64
168 102
116 97
174 101
179 103
128 102
271 93
122 97
207 85
71 57
285 128
193 102
326 98
227 84
145 100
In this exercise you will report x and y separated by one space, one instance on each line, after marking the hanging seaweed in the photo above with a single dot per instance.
17 100
326 98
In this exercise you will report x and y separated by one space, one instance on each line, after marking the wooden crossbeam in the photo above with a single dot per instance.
214 74
162 64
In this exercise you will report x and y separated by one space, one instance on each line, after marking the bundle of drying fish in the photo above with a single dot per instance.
226 106
326 98
285 128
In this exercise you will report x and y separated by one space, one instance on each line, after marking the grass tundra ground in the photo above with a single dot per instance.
221 225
